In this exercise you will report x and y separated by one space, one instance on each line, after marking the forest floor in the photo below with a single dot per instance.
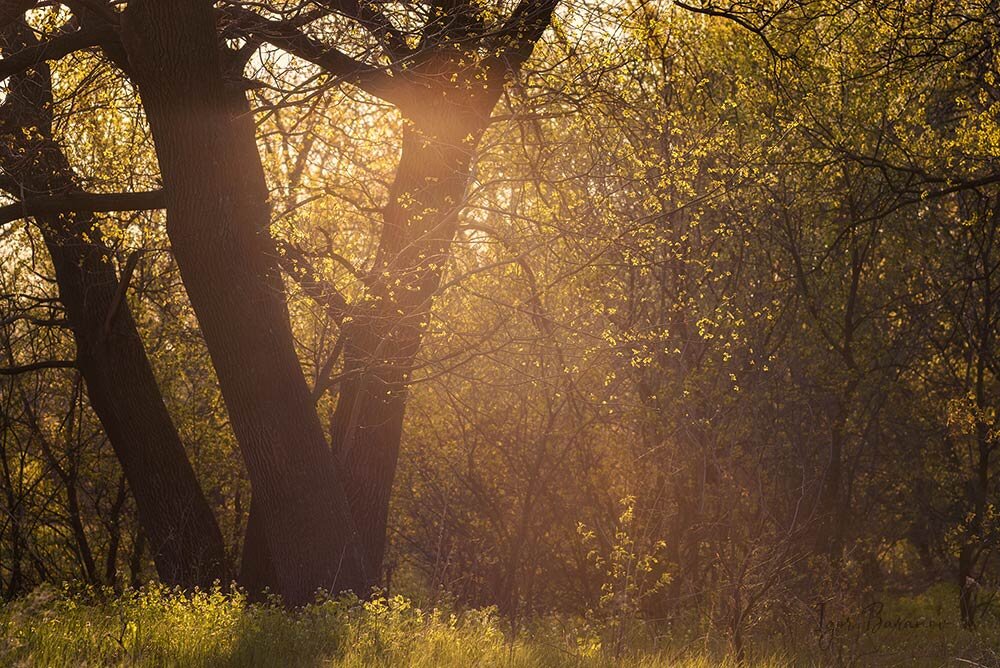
154 627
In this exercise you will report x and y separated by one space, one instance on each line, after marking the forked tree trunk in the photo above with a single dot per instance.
383 335
446 116
217 219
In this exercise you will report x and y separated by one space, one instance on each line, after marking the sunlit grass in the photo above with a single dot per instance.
154 627
157 627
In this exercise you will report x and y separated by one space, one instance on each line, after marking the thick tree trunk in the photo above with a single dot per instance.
185 540
257 574
217 219
383 336
446 115
446 101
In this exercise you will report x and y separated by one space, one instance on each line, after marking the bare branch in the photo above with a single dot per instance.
54 49
37 366
288 38
82 202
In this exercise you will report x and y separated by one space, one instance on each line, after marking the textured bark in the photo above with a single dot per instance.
217 220
185 540
446 113
257 575
383 336
12 10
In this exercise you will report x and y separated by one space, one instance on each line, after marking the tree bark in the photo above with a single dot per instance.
446 114
217 219
383 335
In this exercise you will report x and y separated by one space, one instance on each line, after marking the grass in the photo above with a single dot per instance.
158 627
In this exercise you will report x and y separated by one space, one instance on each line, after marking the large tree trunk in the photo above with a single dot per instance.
446 115
384 333
185 540
217 219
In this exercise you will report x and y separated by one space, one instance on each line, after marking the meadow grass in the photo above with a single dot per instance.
157 627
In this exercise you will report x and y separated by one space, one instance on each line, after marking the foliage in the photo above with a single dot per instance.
157 627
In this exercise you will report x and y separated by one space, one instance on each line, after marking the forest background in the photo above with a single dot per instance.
678 320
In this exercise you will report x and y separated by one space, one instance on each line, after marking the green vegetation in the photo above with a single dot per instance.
155 626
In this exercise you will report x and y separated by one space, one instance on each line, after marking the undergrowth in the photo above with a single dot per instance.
155 626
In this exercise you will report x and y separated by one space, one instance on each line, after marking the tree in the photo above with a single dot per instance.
184 538
218 223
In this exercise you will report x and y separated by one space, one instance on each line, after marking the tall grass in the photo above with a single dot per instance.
155 626
158 627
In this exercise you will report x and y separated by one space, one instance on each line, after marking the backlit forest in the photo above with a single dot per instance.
499 332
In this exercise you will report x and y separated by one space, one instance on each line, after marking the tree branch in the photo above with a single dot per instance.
54 49
82 203
288 38
11 10
37 366
375 22
295 263
522 30
123 282
738 20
